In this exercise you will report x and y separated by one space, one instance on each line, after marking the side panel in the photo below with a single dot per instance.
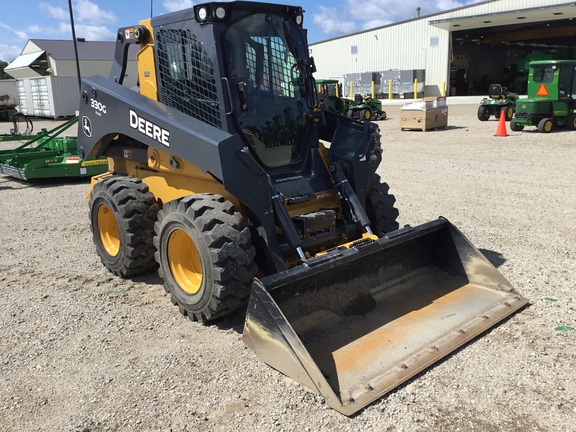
108 109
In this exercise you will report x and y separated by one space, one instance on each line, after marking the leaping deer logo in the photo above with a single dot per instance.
87 126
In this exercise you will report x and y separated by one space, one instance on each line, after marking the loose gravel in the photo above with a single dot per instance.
83 350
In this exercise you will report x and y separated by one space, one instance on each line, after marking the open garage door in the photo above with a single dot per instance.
496 48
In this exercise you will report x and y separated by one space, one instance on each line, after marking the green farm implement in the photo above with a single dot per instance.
48 155
551 97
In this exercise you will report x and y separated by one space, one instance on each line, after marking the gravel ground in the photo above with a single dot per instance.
82 350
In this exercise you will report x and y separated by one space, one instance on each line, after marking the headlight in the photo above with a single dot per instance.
202 14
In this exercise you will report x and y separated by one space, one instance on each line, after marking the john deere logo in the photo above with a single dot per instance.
523 106
86 126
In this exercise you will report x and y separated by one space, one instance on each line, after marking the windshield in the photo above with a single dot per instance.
263 53
544 74
331 89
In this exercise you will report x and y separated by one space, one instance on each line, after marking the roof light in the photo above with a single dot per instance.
220 13
299 19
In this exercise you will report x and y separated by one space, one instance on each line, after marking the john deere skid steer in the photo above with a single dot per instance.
227 176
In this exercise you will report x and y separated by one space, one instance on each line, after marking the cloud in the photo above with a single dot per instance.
20 33
85 12
9 52
88 13
55 12
376 13
176 5
88 32
332 23
374 23
90 20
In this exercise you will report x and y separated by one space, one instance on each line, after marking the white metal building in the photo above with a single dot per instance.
462 50
46 74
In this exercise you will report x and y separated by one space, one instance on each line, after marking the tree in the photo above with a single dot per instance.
3 75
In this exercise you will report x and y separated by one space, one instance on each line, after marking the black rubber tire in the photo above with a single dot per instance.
222 245
350 114
131 210
571 122
545 125
508 112
515 126
380 207
365 114
483 113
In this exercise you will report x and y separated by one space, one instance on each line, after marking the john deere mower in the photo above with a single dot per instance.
365 108
499 102
551 97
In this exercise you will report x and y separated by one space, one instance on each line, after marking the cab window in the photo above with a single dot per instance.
544 74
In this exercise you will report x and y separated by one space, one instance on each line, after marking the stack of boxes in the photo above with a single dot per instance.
428 113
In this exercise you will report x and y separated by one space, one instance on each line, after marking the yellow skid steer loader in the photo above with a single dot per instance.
227 176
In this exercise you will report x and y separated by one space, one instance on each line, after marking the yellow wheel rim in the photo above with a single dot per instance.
185 262
548 126
367 115
108 230
510 113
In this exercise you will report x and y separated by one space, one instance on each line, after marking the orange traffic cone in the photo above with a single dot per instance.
501 129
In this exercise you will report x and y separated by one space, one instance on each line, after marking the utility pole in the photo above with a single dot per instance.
75 44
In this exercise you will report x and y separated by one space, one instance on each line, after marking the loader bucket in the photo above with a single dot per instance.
355 323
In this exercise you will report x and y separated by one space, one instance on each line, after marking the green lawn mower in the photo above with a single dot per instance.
499 102
330 96
365 108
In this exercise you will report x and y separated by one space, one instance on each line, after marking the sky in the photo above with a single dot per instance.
98 20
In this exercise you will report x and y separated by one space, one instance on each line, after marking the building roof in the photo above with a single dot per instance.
24 60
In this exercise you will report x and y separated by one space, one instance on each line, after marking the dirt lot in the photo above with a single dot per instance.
81 350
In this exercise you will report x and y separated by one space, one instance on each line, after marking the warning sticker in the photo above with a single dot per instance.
95 162
542 91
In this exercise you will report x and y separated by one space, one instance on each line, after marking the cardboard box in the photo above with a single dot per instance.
435 102
426 119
